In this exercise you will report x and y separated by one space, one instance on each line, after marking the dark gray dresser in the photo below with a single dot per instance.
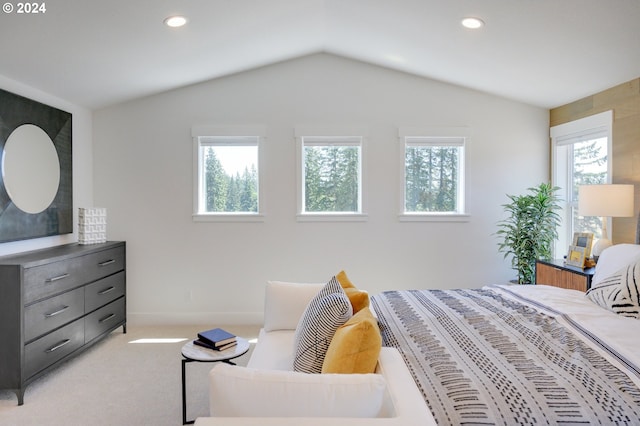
54 303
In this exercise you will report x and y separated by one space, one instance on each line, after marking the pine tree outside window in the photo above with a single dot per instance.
227 181
330 174
433 176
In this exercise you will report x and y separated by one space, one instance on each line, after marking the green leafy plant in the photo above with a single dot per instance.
530 229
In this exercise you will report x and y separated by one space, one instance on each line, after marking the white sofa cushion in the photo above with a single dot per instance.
242 391
285 302
274 351
328 310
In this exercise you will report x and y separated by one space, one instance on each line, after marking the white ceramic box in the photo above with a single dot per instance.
92 225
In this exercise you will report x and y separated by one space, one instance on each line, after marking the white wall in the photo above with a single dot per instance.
82 163
181 271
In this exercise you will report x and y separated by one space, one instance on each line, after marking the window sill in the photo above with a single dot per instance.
228 217
434 217
332 217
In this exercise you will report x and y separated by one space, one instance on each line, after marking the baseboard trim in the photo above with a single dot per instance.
194 318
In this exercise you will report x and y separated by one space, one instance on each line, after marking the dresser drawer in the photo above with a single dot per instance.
52 313
104 263
104 291
52 278
45 351
104 319
46 280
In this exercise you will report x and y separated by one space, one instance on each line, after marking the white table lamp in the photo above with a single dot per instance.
608 200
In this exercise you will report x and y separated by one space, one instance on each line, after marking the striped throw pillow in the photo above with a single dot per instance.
327 311
620 292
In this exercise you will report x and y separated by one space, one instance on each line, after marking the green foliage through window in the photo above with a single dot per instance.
432 176
228 191
331 178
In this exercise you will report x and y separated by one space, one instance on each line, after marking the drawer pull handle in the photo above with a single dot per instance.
59 311
107 262
58 346
58 278
106 290
107 318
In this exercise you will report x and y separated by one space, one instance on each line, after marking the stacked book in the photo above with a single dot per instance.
216 339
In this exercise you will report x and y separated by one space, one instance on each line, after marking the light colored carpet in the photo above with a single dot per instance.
118 382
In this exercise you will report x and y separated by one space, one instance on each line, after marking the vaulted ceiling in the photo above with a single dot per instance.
543 52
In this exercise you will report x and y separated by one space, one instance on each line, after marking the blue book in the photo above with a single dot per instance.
217 337
215 348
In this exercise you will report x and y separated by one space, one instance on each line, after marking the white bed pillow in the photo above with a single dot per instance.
619 292
285 302
247 392
613 259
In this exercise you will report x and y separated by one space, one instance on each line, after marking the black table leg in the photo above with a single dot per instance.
184 388
184 394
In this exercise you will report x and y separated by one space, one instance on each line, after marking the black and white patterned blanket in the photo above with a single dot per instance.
479 357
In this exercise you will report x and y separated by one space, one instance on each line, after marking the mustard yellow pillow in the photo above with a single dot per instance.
355 346
359 298
344 281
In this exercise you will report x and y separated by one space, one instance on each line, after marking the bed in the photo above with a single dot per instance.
524 354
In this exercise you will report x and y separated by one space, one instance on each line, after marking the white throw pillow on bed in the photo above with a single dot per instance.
613 259
284 303
619 292
247 392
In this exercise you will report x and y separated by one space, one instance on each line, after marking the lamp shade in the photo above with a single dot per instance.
609 200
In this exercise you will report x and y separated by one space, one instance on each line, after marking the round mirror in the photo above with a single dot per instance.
30 168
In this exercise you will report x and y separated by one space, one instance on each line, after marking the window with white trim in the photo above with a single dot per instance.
433 175
330 175
580 157
227 173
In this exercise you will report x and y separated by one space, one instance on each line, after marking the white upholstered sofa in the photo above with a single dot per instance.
268 392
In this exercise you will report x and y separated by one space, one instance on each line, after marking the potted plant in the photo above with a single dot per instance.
530 229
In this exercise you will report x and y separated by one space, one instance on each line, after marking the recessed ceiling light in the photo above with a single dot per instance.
472 23
175 21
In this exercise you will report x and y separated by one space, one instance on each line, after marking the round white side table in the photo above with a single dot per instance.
195 353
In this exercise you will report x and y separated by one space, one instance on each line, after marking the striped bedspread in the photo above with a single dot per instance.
481 358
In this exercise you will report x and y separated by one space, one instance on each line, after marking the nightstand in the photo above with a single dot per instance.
558 274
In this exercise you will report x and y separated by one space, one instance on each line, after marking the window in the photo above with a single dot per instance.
580 157
227 173
433 175
330 174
